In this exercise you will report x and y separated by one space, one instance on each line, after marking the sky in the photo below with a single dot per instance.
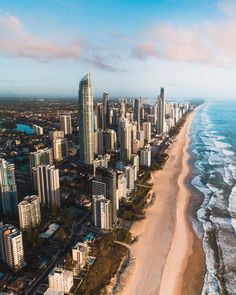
134 47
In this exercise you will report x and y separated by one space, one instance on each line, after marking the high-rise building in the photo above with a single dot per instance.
125 143
86 127
29 212
65 124
140 137
37 129
146 156
106 110
101 161
80 253
99 142
137 112
11 247
8 191
129 173
102 212
108 176
98 188
60 149
135 163
54 134
60 279
110 140
161 112
48 185
147 128
44 156
100 116
121 186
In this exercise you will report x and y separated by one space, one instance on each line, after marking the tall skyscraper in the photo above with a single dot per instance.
44 156
48 185
125 144
65 124
8 191
106 109
146 127
108 176
11 247
102 212
100 116
86 126
137 111
99 142
161 112
29 212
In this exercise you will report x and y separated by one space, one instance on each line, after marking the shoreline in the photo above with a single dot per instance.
160 263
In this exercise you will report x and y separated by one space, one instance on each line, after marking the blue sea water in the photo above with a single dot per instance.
213 149
24 128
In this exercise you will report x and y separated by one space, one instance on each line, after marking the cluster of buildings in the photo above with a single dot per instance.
124 129
115 139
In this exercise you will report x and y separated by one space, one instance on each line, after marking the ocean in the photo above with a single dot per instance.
213 150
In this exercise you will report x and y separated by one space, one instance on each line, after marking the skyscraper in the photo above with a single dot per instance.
86 126
146 127
65 124
29 212
106 109
43 156
11 247
110 140
48 185
137 111
8 192
102 212
108 176
60 149
125 144
161 112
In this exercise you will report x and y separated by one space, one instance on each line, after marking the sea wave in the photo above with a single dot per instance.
215 176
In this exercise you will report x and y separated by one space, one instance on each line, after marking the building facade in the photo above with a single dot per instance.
48 185
29 212
11 247
8 190
86 126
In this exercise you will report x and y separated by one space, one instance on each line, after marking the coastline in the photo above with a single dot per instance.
168 245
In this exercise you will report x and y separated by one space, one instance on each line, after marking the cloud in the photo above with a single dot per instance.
17 41
206 43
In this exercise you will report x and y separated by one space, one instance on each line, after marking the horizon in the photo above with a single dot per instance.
188 48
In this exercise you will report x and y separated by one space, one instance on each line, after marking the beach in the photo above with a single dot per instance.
168 257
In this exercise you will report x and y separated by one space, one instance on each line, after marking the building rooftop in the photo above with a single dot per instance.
50 291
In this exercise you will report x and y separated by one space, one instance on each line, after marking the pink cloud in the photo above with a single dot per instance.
206 43
17 41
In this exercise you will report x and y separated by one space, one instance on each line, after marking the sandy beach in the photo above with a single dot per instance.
168 247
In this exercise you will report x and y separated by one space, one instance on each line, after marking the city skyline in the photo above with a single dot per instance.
48 46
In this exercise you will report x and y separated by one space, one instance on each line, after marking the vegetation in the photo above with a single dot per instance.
133 211
123 235
32 237
108 257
